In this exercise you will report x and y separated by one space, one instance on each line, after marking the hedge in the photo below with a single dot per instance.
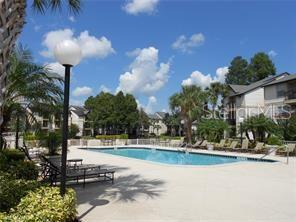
45 204
12 190
12 161
112 137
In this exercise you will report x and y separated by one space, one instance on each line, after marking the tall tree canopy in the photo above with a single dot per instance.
261 67
189 103
238 72
113 114
242 73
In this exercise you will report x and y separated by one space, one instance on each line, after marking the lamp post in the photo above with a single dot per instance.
241 120
68 54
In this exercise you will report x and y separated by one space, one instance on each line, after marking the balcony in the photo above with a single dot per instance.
290 97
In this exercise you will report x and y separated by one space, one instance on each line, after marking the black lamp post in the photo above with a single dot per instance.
68 54
241 120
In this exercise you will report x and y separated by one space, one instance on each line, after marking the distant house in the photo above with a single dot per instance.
77 116
157 126
273 96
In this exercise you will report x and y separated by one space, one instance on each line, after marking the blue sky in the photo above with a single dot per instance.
150 47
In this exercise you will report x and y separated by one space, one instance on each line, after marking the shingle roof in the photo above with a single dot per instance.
241 89
161 114
283 79
79 110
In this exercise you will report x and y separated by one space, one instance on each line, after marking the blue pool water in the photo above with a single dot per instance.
173 157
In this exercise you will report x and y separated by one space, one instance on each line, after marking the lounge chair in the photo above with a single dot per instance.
244 147
220 146
203 145
259 149
232 146
196 144
289 150
52 171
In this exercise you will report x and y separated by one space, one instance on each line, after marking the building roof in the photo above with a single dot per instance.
283 79
242 89
157 115
79 110
161 114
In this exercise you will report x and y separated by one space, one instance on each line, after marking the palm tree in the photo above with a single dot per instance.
30 87
42 5
17 21
215 91
189 103
261 127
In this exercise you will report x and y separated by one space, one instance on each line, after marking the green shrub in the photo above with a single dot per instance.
53 142
165 137
12 161
13 154
112 137
24 170
45 204
29 136
11 191
274 140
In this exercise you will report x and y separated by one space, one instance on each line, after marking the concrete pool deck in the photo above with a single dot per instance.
151 192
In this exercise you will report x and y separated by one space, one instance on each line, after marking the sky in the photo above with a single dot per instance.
150 48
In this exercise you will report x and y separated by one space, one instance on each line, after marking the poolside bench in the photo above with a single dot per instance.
52 172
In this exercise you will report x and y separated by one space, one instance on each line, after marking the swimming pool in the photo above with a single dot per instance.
173 157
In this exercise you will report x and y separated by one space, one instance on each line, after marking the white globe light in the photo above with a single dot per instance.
68 52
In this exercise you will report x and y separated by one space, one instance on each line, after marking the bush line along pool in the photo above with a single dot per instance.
174 157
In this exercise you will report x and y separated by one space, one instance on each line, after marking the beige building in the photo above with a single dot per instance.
274 96
157 126
77 116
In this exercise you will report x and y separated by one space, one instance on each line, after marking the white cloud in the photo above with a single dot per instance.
104 88
72 18
134 52
76 102
145 75
272 53
204 80
135 7
187 44
82 91
37 28
57 68
91 46
220 74
152 102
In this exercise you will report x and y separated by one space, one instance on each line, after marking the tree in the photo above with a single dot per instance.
143 121
42 5
189 104
261 67
39 6
288 127
30 88
172 121
73 131
238 72
215 91
212 129
113 114
261 127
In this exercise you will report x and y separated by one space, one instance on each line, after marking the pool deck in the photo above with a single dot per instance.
153 192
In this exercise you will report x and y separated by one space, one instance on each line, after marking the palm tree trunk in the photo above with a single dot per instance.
189 131
17 132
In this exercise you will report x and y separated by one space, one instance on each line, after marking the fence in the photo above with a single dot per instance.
122 142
